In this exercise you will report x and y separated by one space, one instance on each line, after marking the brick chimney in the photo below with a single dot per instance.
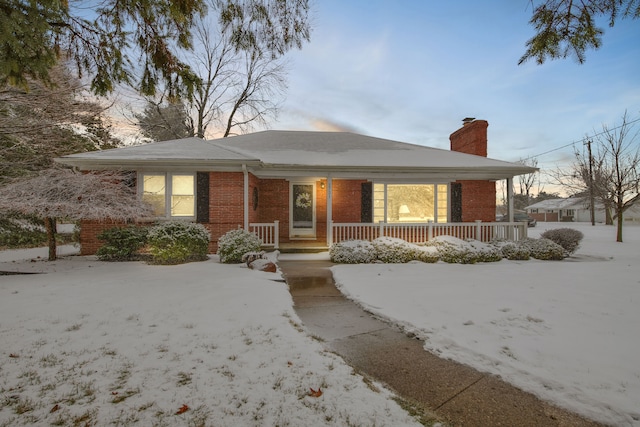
471 138
472 200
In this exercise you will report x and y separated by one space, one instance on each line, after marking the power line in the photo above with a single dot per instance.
582 140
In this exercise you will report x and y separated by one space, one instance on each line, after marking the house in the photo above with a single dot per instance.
311 188
575 209
570 209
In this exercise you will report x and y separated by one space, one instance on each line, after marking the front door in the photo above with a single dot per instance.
303 210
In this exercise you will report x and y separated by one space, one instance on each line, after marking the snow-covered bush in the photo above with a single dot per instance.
457 251
19 232
515 252
428 254
393 250
543 249
235 243
568 238
484 251
352 252
453 250
122 243
177 242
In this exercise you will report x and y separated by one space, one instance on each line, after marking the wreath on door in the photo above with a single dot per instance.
303 200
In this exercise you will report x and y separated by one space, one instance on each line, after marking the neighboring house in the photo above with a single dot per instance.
576 209
570 209
309 187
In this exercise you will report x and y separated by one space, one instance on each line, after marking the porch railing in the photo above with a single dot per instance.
268 232
423 232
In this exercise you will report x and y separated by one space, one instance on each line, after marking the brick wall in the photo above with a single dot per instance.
478 201
478 197
226 204
347 200
89 231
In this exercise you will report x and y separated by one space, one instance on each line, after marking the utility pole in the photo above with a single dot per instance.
591 195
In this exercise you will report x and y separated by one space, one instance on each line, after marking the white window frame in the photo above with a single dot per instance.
168 182
435 194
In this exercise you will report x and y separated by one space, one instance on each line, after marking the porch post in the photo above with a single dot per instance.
510 198
246 197
510 205
329 210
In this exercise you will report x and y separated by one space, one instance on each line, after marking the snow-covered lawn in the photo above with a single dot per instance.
213 344
95 343
568 331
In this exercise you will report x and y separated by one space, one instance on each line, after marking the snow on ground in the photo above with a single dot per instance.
96 343
568 331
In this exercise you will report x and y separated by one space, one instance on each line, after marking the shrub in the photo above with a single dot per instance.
393 250
485 252
543 249
352 252
177 242
20 232
122 243
428 254
453 250
515 252
568 238
235 243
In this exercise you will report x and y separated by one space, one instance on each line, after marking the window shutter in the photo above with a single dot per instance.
130 179
202 197
456 202
366 203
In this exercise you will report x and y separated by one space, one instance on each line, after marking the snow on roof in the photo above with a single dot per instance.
300 150
567 203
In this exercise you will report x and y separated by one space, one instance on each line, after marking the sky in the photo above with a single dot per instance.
411 71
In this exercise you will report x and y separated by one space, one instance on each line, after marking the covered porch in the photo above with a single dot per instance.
410 232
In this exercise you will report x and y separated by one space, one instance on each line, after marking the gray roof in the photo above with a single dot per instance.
301 153
566 203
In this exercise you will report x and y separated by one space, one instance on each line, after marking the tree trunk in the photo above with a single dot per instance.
619 233
50 224
608 216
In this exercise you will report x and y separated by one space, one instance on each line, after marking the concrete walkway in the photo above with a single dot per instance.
458 394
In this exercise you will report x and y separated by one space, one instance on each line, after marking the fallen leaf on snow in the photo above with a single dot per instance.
315 393
182 410
54 409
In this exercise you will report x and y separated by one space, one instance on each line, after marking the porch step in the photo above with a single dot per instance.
301 248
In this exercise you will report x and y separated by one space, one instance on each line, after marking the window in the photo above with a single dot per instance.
172 195
410 202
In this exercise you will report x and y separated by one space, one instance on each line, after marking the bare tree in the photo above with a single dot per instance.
528 181
63 193
612 172
238 57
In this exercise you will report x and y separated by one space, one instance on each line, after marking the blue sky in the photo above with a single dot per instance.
412 70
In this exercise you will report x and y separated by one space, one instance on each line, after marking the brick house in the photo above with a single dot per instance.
303 186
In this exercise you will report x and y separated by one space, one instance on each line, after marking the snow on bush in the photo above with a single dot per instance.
514 252
234 244
18 232
177 242
446 248
485 252
352 252
428 254
543 249
568 238
122 243
393 250
453 250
